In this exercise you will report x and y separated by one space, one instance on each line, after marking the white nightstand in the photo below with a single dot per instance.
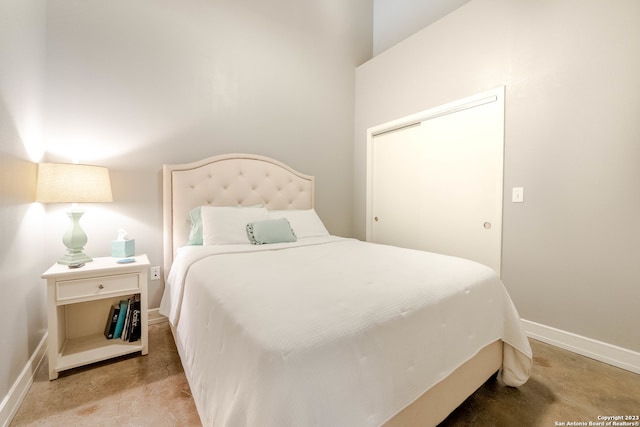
79 301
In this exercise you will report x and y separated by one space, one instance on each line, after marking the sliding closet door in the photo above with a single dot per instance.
436 184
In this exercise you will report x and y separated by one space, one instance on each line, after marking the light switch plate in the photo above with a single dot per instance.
517 195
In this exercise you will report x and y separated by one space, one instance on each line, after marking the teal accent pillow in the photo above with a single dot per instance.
195 235
270 231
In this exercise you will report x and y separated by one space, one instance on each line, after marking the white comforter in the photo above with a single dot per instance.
330 331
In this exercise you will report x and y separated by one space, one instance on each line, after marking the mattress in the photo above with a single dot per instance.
329 331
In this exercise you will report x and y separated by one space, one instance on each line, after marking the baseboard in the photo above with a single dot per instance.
598 350
18 391
155 316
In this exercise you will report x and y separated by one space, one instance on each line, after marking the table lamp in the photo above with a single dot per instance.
72 183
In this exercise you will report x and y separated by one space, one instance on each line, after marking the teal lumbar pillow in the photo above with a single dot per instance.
270 231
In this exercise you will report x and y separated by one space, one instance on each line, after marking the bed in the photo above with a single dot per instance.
303 328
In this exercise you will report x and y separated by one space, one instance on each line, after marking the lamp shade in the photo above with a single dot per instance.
71 183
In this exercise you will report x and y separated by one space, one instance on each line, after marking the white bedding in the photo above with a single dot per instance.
330 331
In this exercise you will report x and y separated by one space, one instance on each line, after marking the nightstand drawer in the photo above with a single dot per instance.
97 286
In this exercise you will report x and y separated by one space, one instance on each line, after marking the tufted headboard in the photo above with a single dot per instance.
227 180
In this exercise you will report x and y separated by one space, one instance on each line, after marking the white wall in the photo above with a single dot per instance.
133 85
395 20
22 254
571 257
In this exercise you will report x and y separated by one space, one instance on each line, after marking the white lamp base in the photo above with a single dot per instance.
74 239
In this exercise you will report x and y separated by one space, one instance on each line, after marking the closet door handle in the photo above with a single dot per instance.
487 225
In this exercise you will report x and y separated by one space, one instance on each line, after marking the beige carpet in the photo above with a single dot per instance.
152 391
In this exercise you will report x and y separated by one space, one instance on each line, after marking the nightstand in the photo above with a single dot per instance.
78 304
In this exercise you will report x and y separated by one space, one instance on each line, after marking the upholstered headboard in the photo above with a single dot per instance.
227 180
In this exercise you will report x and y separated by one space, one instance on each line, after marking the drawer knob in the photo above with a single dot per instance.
100 286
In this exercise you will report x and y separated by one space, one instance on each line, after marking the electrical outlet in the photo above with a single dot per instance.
155 273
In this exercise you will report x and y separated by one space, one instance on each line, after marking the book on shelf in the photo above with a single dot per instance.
125 328
135 326
121 318
112 321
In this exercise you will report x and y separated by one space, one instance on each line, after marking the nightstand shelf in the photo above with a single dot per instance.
93 348
79 301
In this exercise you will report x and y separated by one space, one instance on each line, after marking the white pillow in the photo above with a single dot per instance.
305 223
228 224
